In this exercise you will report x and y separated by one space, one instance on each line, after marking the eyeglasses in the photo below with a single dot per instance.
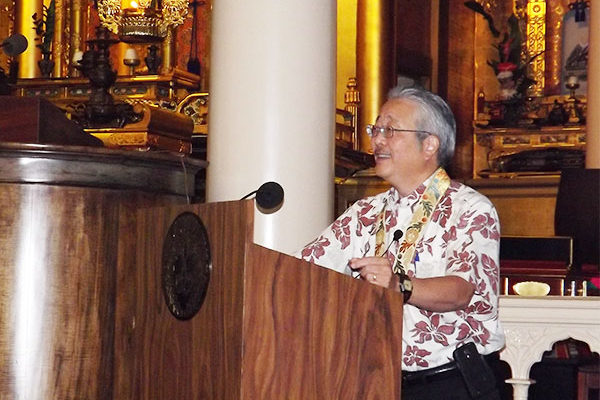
387 131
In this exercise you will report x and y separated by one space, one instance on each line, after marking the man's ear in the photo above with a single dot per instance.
431 144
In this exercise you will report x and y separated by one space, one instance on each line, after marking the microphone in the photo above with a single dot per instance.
397 236
269 197
14 45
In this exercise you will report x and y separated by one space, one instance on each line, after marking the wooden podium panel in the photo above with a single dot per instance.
271 326
311 333
161 357
59 241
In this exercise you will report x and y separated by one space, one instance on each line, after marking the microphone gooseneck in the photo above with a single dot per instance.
249 194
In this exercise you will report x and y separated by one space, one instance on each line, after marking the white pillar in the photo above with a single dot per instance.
272 112
592 158
520 388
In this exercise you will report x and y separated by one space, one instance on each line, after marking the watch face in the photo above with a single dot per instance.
186 266
405 283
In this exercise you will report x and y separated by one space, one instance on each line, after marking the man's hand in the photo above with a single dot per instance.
440 294
375 270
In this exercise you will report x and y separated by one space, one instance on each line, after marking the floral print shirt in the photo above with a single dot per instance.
461 239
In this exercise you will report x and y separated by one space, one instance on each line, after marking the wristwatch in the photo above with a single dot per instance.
405 285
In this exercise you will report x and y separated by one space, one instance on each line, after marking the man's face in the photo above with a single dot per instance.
400 156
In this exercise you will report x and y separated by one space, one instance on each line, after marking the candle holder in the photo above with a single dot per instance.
575 110
101 111
131 59
572 84
132 63
76 63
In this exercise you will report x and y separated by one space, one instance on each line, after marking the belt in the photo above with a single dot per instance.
438 373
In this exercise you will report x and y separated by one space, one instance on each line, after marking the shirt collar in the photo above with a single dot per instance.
410 199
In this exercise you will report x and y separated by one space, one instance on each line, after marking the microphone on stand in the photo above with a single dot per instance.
14 45
269 197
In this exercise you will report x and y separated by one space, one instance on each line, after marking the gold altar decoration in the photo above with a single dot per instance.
28 67
549 122
165 124
346 127
556 9
7 21
492 143
78 19
158 130
546 33
195 106
352 101
375 72
536 43
141 20
60 42
165 90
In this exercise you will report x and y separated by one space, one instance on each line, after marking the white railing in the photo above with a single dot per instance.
533 325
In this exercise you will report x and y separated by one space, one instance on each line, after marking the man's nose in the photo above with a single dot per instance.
377 140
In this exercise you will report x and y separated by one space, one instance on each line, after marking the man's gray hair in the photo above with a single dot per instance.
434 116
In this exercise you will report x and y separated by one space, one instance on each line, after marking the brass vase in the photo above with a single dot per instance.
46 64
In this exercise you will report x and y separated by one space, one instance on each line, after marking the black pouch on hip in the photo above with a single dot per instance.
477 374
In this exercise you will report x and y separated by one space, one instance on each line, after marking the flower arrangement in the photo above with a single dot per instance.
44 27
509 68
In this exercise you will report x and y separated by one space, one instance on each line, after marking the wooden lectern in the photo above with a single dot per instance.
271 326
82 309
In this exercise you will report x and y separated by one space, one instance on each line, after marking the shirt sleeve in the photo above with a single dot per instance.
347 237
474 255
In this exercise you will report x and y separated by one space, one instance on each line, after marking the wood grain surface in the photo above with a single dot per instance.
57 284
83 316
34 119
152 172
58 258
311 333
57 288
165 358
271 327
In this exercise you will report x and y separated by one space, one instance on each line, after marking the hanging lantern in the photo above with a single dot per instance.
141 21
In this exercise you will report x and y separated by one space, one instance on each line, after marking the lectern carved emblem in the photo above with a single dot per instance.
186 265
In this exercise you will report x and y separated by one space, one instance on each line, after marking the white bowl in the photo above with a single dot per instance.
531 288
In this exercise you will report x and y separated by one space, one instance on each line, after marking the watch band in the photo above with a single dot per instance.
405 285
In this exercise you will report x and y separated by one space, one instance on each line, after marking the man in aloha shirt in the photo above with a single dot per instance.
454 271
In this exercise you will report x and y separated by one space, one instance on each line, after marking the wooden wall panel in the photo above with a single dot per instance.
525 206
413 38
457 30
